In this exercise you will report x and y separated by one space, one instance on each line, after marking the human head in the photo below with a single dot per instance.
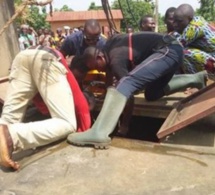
66 29
75 30
168 19
92 31
71 30
46 31
81 28
129 29
147 23
94 58
30 30
59 31
24 28
182 17
40 32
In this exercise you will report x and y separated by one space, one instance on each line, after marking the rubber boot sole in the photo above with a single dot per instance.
96 145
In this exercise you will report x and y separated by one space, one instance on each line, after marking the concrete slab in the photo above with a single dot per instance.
128 167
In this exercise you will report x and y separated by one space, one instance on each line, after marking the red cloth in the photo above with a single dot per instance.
81 106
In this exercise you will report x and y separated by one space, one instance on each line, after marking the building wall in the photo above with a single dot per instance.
9 41
75 24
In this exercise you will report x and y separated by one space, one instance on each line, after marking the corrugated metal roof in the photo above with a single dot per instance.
82 15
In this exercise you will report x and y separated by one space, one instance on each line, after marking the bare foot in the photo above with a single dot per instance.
6 149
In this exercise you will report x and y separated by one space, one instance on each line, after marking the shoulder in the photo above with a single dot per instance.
198 21
102 40
77 36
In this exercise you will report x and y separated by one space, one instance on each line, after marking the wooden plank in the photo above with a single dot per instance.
158 109
189 110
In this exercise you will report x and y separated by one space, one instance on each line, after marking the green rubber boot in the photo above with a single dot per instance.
98 135
182 82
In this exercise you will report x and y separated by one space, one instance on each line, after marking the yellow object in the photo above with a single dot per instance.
95 72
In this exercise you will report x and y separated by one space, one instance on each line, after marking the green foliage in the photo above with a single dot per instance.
93 6
38 18
34 16
161 26
65 8
207 9
133 10
18 2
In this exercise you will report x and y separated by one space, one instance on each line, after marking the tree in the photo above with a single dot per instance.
38 18
93 6
65 8
207 9
132 11
32 15
24 15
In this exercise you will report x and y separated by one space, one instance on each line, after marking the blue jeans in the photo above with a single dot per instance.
153 74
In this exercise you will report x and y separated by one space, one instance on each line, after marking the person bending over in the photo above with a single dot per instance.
40 74
156 57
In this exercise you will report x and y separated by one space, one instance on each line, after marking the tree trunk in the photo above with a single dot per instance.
8 40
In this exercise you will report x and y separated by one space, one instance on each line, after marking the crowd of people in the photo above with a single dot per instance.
28 36
142 61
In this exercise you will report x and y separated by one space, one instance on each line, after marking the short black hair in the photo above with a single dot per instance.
92 23
169 10
91 51
144 19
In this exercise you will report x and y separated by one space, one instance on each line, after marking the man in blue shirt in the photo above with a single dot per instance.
75 44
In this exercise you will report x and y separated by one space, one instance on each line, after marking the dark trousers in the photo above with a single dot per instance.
153 74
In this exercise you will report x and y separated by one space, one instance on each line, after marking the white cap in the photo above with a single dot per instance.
75 30
66 27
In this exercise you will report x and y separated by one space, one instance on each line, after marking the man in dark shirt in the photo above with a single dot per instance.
168 19
155 59
75 44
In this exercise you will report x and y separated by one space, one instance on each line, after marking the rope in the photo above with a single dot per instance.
123 14
20 10
109 16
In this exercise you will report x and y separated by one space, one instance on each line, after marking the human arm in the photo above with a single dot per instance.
35 33
68 47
